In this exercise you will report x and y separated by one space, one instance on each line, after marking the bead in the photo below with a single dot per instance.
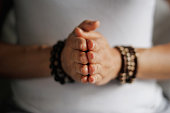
128 54
56 78
126 49
62 81
129 67
51 66
130 73
131 80
133 57
123 52
52 59
129 58
129 63
132 68
53 53
123 82
55 64
123 74
121 48
133 63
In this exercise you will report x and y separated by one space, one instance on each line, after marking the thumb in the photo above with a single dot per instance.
87 35
89 25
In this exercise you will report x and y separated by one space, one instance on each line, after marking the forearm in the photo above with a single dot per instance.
168 1
154 62
24 61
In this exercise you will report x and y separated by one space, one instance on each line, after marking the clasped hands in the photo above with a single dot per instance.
87 52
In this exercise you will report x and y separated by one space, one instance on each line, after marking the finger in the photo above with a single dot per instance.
95 78
79 57
89 25
84 79
87 35
94 69
81 69
78 43
93 44
93 57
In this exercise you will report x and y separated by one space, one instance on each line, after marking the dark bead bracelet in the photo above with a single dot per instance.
55 64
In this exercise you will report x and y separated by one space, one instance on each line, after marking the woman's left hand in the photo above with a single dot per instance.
104 61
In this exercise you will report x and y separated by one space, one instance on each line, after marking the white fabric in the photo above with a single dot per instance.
162 34
123 22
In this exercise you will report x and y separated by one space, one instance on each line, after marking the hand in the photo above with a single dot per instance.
104 61
73 57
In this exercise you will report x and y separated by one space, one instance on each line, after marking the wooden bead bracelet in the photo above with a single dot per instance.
129 64
55 64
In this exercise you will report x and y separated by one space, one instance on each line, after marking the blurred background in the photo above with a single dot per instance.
161 34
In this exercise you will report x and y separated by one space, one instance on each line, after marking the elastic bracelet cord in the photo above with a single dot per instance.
129 64
55 64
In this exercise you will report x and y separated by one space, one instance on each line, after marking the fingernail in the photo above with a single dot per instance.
84 70
81 46
97 22
92 80
91 55
90 44
84 79
78 31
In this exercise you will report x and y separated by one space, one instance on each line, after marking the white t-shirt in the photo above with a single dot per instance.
123 22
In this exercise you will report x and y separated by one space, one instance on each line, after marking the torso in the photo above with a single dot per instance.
123 22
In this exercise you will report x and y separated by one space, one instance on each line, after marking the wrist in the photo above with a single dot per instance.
129 64
117 61
141 62
56 65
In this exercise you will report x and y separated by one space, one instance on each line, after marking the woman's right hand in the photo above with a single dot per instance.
73 57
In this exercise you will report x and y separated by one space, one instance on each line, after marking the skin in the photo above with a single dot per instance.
99 49
24 61
33 60
168 1
153 61
76 65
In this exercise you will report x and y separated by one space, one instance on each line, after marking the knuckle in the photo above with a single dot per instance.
82 44
91 56
85 21
91 44
91 69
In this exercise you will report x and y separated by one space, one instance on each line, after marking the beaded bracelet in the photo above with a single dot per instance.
129 64
55 64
